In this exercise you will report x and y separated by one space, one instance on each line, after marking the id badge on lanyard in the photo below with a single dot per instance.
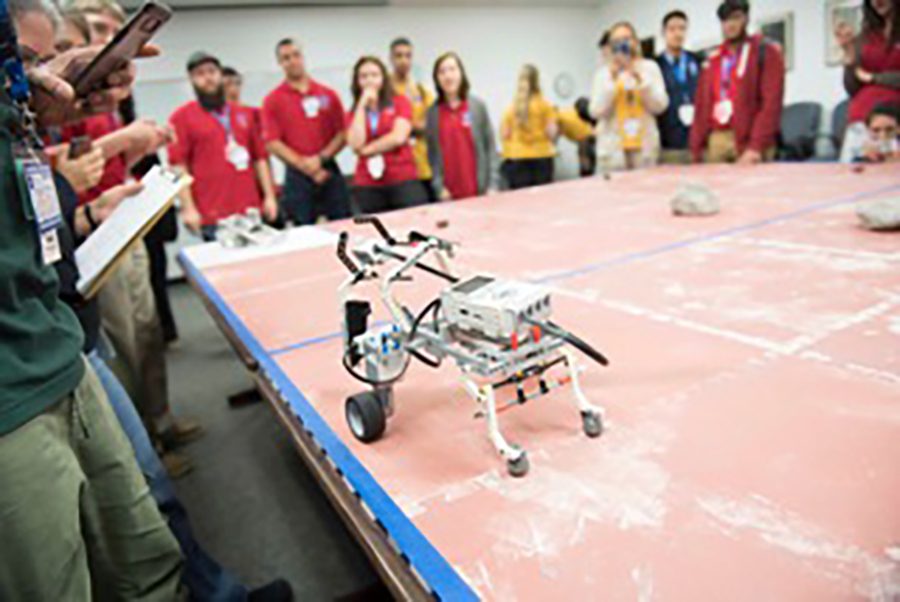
38 188
724 107
236 154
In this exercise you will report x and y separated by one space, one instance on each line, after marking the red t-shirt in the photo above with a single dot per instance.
220 189
304 122
399 164
876 57
458 150
115 172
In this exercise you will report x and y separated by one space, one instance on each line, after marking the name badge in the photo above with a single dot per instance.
632 128
723 111
686 114
237 155
375 165
467 119
37 177
311 106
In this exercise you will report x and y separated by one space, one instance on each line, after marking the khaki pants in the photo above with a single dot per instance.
129 318
722 148
675 157
77 521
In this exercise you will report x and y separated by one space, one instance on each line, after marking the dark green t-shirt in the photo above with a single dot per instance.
40 339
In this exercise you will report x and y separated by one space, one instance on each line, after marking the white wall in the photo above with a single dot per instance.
493 42
809 80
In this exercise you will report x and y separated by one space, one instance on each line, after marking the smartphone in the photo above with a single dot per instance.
80 146
123 48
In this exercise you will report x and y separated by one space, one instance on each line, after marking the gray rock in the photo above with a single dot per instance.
695 199
880 215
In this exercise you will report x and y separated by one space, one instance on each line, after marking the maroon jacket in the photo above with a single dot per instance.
757 107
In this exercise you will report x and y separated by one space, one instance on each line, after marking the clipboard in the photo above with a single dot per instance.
98 257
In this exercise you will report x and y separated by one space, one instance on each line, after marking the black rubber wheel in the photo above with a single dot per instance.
365 416
592 422
518 467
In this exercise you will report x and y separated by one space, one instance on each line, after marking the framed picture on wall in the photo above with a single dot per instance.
840 11
780 29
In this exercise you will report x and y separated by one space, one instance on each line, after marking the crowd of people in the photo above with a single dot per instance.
88 439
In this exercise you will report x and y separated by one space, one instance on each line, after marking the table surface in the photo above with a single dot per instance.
752 403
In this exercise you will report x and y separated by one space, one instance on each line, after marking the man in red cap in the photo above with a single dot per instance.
739 96
218 143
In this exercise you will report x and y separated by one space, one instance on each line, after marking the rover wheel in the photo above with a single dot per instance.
592 422
519 466
365 416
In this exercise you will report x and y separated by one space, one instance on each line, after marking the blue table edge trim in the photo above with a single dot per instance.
437 574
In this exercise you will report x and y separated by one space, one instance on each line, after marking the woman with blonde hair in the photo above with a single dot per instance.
629 92
528 131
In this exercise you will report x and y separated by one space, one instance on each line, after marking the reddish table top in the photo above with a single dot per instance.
752 449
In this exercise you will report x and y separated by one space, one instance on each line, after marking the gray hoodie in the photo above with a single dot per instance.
486 158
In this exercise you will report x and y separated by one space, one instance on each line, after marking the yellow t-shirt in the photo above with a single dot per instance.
529 141
420 99
573 127
629 111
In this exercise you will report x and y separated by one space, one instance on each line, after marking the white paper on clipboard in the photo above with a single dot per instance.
131 220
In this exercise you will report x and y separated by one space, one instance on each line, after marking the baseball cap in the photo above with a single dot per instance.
199 58
728 7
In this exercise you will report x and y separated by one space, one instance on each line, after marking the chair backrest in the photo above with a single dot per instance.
839 123
799 129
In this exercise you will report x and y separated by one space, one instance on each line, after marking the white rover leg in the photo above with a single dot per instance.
516 459
591 415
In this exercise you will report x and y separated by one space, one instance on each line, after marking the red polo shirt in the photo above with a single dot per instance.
458 150
115 172
304 122
877 56
399 164
219 189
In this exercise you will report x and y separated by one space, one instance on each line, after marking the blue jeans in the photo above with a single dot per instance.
204 577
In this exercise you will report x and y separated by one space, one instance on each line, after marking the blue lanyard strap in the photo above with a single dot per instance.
224 119
10 59
374 118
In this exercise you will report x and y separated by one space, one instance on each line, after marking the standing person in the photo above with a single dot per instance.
420 98
378 130
528 133
737 108
461 146
303 125
871 69
127 302
628 94
217 142
76 515
233 82
681 70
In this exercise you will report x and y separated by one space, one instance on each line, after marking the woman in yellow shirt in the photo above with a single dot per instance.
528 131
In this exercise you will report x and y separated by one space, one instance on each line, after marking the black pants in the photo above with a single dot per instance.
375 199
522 173
303 201
429 191
156 250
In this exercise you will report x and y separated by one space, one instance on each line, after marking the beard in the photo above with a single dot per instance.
211 101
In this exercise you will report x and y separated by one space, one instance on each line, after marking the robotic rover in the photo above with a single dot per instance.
497 331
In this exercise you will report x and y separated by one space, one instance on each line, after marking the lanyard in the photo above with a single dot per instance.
680 68
224 119
729 62
10 59
374 117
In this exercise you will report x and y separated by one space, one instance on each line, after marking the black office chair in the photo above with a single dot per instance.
799 131
839 125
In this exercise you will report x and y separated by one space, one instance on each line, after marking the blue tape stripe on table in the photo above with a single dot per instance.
434 569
